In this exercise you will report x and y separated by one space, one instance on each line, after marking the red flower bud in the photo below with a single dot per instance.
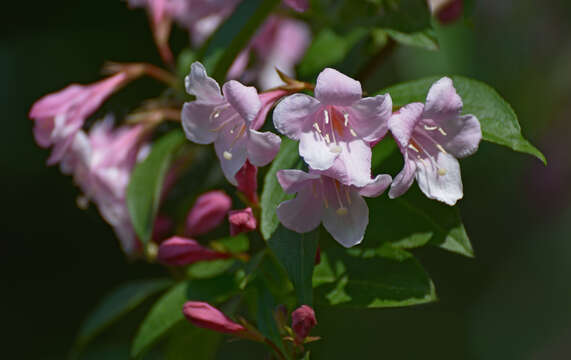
302 321
446 11
178 251
206 316
241 221
247 178
207 213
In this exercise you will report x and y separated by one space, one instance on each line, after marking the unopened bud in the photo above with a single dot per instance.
302 321
446 11
241 221
247 178
206 316
207 213
178 251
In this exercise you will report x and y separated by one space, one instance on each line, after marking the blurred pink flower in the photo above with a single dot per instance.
206 316
302 321
208 212
241 221
178 251
298 5
335 129
432 137
226 121
59 116
320 198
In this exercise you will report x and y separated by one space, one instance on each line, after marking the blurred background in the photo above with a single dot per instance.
513 301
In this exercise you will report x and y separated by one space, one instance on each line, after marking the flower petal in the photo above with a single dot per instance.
293 115
463 135
369 117
244 99
303 213
262 147
402 123
442 101
292 180
353 165
347 228
232 154
404 179
440 181
376 187
315 151
199 84
196 122
335 88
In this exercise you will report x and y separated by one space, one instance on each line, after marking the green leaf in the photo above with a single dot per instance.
235 33
144 190
425 39
209 269
273 194
498 120
189 342
373 278
413 220
166 313
381 152
266 320
296 252
115 305
234 244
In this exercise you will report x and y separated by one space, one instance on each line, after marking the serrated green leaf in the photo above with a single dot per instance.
115 305
166 313
273 194
385 277
144 190
498 120
296 253
235 34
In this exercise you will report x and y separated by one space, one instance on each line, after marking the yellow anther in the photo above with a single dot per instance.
227 155
442 171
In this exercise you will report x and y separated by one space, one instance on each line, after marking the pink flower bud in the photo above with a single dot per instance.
206 316
268 99
207 213
178 251
302 321
446 11
247 178
162 228
241 221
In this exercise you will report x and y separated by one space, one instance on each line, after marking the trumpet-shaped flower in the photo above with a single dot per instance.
335 129
432 137
59 116
227 122
321 198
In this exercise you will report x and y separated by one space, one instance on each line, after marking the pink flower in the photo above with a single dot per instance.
298 5
59 116
302 321
208 212
227 121
247 178
336 127
178 251
320 198
206 316
446 10
268 99
241 221
431 137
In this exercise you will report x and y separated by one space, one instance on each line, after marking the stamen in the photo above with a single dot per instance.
227 155
348 196
342 211
323 193
215 114
430 128
327 138
412 147
326 114
442 131
316 126
442 171
334 148
224 123
346 117
353 132
441 148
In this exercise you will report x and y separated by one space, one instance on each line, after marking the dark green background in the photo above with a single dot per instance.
512 301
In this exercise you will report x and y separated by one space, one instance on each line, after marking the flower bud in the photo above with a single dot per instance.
162 228
446 11
178 251
207 213
206 316
241 221
247 178
302 321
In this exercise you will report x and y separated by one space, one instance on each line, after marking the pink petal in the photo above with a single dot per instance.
335 88
196 124
232 154
244 99
442 101
353 165
298 5
179 251
199 84
403 122
404 179
347 228
204 315
263 147
292 180
303 213
294 114
463 135
208 212
268 99
369 117
53 104
376 187
241 221
316 152
440 181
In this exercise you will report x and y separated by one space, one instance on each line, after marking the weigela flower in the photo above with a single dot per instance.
208 212
206 316
241 221
321 198
59 116
432 137
302 321
335 129
298 5
227 121
178 251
